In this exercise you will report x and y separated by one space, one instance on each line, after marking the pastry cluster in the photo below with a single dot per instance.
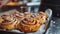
25 22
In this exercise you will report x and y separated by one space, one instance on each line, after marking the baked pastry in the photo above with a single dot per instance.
19 17
15 13
32 23
4 16
1 20
41 16
8 23
11 3
28 25
27 14
25 22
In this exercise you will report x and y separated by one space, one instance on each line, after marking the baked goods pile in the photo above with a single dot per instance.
25 22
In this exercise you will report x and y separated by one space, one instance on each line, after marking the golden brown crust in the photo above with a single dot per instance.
8 25
32 22
27 14
29 26
41 16
25 22
1 20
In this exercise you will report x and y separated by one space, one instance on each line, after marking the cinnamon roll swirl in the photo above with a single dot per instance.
41 16
25 22
28 25
8 23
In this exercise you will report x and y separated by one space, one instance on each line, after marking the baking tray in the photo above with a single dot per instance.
54 27
42 29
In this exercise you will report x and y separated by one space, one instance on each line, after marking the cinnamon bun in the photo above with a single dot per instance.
42 17
28 25
8 23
